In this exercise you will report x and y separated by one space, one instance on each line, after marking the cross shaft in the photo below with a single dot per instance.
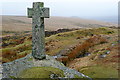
38 13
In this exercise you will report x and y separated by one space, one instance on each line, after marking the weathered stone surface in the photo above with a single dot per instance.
1 68
15 67
38 13
30 12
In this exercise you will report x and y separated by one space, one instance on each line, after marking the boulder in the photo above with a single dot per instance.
14 68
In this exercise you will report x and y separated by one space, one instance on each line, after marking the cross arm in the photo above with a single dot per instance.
30 12
44 12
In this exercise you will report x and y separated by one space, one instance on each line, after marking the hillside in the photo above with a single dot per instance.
92 48
89 51
22 23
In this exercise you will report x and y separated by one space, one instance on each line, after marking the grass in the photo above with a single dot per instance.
56 43
81 49
99 71
12 53
69 38
41 72
85 40
99 67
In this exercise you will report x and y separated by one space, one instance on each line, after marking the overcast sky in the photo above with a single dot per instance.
68 8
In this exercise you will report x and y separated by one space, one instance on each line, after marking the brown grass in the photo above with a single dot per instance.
22 23
83 48
16 52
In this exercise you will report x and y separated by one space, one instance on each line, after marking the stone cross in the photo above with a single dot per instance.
38 13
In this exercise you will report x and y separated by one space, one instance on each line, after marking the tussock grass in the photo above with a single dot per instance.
80 50
12 53
41 72
99 71
58 42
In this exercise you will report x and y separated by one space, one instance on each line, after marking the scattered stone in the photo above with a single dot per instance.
103 56
113 44
87 54
84 55
55 57
54 76
108 52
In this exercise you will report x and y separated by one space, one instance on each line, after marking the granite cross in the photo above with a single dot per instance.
38 13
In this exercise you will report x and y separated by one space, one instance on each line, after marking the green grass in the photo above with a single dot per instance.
65 40
99 72
22 47
41 72
52 53
15 52
25 52
81 32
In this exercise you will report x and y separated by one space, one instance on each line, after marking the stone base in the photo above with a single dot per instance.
15 67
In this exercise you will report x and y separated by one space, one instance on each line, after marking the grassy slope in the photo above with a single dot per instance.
56 43
22 23
41 72
100 72
97 67
61 41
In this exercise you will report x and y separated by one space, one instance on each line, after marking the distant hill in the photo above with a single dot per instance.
22 23
111 19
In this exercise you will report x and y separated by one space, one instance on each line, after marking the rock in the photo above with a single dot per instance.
102 56
108 52
87 54
55 57
15 67
113 44
84 55
54 76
